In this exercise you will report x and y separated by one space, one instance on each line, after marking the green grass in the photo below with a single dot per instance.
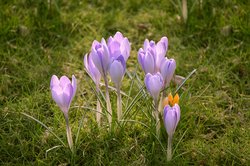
39 39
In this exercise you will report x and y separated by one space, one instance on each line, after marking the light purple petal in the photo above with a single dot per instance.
170 121
177 109
125 48
154 83
57 95
114 48
54 81
92 71
74 85
141 55
149 63
171 118
146 45
116 72
64 81
118 37
167 70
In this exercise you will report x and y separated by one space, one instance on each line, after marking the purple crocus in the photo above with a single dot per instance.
117 70
63 91
167 70
92 70
171 118
154 84
151 55
119 45
101 56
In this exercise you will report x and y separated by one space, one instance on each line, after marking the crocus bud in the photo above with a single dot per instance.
154 84
63 91
171 115
117 70
147 61
100 56
119 45
92 70
167 70
161 50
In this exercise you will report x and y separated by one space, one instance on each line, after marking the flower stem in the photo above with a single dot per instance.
157 120
169 151
68 131
98 110
108 102
119 104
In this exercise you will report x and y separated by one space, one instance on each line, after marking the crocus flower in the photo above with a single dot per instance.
171 118
167 70
151 56
154 84
101 56
92 70
94 73
117 70
119 45
63 91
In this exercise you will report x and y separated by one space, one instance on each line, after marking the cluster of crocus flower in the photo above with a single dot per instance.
159 70
108 58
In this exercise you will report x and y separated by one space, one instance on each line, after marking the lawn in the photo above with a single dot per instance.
40 38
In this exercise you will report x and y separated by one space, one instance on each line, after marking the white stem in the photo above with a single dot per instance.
169 151
98 113
119 104
157 120
108 102
68 131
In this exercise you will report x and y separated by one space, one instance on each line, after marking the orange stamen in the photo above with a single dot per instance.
170 100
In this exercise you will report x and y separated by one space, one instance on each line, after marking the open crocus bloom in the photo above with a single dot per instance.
154 84
63 91
171 115
151 56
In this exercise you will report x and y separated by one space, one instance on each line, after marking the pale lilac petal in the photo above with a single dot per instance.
170 120
97 60
118 37
146 45
92 71
177 109
116 72
149 63
114 48
154 83
167 70
57 95
54 81
125 48
64 81
141 55
74 85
